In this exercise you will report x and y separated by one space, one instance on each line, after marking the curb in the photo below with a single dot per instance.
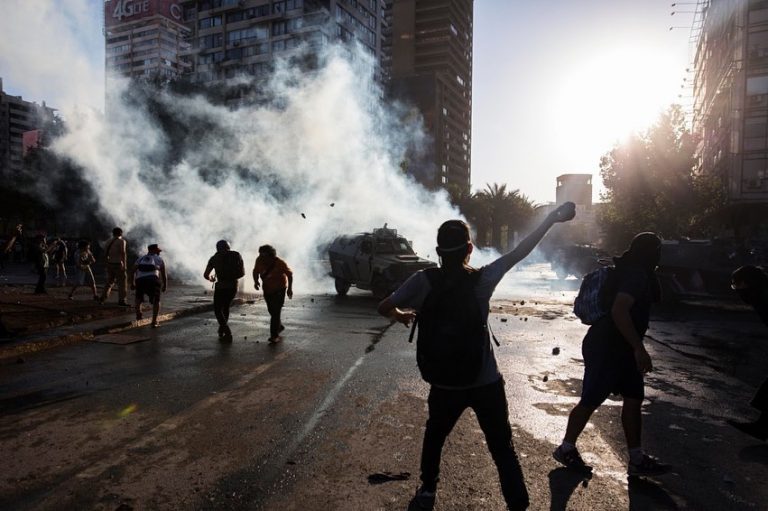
36 343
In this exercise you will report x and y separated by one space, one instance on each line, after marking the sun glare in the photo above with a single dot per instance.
606 97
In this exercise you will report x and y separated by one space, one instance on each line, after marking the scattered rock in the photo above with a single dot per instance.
333 204
526 318
522 302
545 379
303 215
555 350
503 320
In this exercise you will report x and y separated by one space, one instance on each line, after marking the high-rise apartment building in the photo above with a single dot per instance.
430 59
731 99
16 118
232 38
145 38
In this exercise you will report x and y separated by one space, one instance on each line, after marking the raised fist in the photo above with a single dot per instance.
564 212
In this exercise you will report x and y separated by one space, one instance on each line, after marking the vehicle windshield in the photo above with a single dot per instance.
397 246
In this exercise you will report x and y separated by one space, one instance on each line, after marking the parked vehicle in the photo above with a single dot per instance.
379 261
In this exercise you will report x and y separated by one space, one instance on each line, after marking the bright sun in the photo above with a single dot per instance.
605 97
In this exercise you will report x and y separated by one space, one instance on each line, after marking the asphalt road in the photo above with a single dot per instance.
332 418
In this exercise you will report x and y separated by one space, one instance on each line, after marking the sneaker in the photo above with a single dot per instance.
571 459
753 429
423 500
648 466
155 324
275 339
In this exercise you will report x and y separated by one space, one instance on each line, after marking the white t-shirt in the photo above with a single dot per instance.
151 260
414 291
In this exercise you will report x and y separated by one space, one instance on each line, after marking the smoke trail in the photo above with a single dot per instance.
264 173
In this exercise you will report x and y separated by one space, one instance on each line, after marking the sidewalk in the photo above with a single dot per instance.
46 321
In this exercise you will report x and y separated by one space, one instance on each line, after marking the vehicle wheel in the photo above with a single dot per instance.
342 286
380 288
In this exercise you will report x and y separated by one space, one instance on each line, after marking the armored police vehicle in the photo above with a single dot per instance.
378 261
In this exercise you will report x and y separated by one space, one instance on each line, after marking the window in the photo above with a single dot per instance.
293 25
293 4
234 53
278 7
279 28
755 133
246 35
256 49
754 174
211 41
278 45
213 21
757 91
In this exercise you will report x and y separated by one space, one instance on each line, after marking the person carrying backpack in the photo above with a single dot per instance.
454 352
615 358
149 278
229 268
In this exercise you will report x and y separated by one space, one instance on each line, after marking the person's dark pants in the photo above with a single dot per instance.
275 302
490 405
222 299
42 272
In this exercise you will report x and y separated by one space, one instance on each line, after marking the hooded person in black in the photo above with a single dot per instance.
751 284
615 358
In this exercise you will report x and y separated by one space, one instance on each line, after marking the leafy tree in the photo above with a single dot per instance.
651 185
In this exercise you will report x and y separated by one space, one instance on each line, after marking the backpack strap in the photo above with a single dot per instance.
434 277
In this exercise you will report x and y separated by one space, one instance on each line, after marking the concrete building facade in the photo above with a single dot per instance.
430 65
730 87
145 38
232 38
18 117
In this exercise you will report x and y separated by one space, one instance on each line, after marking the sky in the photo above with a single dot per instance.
556 83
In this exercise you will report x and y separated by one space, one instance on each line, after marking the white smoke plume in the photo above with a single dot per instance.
260 174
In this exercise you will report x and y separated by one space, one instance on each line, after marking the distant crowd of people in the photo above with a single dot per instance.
148 277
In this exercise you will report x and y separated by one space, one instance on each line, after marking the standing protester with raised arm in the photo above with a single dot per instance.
615 358
148 277
751 284
228 267
277 278
454 352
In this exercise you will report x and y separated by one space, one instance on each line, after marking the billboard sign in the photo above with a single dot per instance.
122 11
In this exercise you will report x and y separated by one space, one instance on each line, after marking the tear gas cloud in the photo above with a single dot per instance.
258 174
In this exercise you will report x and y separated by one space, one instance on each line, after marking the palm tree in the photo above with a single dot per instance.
497 209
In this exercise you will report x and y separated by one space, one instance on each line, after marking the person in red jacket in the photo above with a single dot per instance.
277 282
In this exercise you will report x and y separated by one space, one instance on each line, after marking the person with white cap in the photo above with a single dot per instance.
149 278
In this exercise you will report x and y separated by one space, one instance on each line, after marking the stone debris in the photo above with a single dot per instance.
555 350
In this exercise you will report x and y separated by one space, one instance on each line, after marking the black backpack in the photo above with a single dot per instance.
452 334
228 266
